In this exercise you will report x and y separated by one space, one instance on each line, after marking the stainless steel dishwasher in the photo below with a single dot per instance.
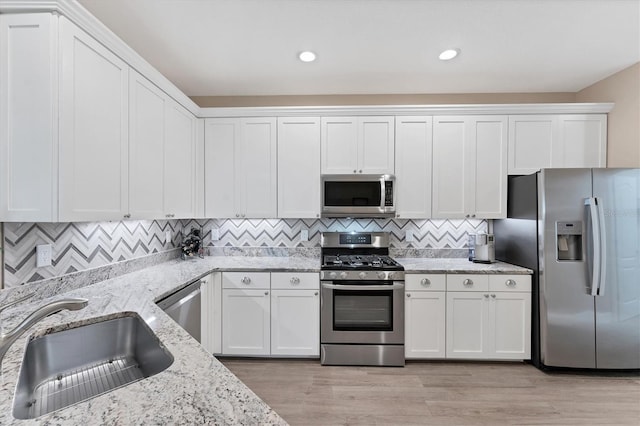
184 307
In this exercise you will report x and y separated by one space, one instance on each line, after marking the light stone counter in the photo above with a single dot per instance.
195 389
457 266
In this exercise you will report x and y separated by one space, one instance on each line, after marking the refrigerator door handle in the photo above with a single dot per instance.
594 217
602 231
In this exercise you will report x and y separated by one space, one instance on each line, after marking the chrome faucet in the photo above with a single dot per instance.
7 339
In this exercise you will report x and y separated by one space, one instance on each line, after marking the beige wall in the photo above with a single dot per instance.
623 88
399 99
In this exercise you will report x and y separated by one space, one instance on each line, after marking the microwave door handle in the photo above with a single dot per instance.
383 194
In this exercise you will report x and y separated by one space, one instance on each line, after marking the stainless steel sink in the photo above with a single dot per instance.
66 367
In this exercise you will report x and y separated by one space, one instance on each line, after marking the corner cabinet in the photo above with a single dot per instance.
240 168
357 145
275 314
298 167
564 140
94 129
470 167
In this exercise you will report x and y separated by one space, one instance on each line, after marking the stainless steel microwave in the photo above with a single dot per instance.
358 196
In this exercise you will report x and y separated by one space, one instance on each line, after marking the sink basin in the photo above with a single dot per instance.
66 367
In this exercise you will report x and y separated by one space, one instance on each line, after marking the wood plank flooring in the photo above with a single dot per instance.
439 393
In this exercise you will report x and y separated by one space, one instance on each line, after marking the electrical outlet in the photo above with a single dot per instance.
43 255
167 236
215 234
304 235
408 236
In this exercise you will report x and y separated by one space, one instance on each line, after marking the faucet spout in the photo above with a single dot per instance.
7 339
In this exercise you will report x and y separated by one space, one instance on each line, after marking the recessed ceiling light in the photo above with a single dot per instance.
307 56
448 54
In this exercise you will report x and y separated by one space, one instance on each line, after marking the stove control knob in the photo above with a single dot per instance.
391 275
332 275
362 275
343 275
380 275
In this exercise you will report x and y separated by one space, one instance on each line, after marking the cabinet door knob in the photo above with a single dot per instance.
360 171
408 295
245 280
467 282
510 283
355 171
486 296
266 293
493 296
317 214
473 215
425 281
294 280
467 216
237 215
127 216
242 215
315 294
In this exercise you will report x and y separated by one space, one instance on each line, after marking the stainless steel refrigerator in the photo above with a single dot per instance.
579 230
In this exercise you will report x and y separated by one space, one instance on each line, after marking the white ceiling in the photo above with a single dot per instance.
250 47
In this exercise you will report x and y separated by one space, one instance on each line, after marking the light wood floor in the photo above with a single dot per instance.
439 393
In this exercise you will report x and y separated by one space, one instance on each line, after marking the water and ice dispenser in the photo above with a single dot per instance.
569 240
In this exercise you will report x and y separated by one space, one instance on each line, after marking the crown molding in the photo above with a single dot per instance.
80 16
470 109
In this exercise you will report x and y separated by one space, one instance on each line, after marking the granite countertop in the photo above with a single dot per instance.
457 266
195 389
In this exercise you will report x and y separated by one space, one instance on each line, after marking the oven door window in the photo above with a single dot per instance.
363 310
352 194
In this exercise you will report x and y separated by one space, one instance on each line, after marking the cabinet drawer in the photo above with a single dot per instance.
466 282
295 280
435 282
510 283
246 280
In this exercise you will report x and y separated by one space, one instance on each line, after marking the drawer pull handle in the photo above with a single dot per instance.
294 280
245 280
467 282
510 283
425 281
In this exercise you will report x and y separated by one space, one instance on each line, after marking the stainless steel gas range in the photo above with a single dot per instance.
362 301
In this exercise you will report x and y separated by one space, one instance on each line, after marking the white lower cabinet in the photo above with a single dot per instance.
211 313
491 321
458 316
270 314
425 316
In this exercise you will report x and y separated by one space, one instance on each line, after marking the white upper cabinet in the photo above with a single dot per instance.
179 162
469 167
28 118
161 154
564 140
298 167
240 172
94 133
414 159
146 148
357 145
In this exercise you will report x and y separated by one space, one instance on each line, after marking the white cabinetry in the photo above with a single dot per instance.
240 172
488 317
425 317
94 119
28 117
357 145
469 167
295 314
563 140
299 167
270 314
414 159
211 313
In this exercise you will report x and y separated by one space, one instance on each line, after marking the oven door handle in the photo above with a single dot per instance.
363 287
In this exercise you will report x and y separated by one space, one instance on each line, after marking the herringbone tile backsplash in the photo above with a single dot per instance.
81 246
